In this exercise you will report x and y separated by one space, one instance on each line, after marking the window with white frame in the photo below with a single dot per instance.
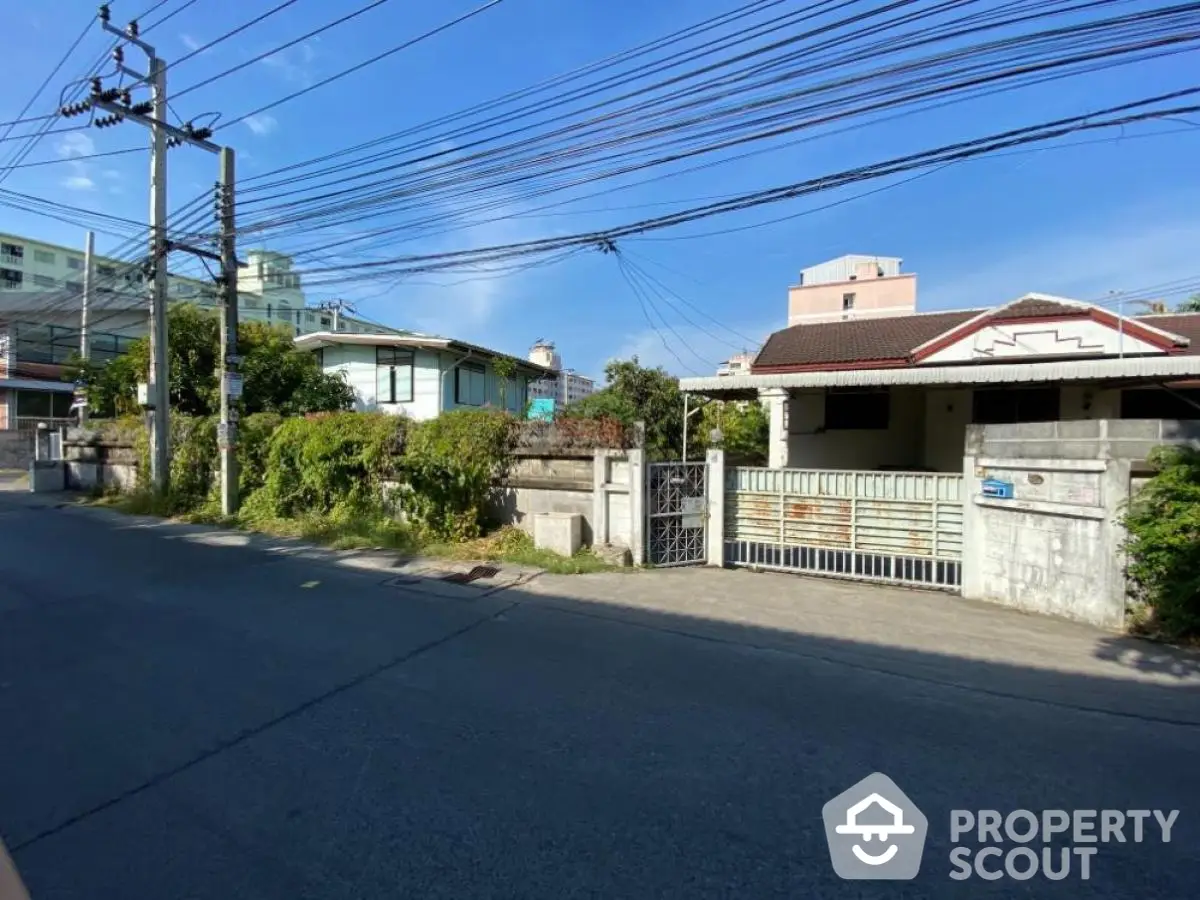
74 262
11 279
45 257
394 375
13 254
470 385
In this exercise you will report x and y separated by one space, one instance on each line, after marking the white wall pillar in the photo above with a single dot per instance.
637 505
776 401
600 525
715 532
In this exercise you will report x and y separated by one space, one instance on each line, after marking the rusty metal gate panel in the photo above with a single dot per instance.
676 513
896 527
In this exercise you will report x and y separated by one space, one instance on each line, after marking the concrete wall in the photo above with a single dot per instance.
16 449
93 462
603 487
1055 547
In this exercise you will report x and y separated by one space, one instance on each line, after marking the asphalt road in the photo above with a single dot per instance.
208 720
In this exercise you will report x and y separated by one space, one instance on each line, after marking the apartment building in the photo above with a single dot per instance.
269 289
852 287
41 298
565 386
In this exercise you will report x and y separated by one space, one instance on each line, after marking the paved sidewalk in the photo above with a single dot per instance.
922 634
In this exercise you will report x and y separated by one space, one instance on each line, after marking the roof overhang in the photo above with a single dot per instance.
34 384
1149 369
318 339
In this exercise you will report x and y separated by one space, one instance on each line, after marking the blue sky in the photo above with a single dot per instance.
1101 212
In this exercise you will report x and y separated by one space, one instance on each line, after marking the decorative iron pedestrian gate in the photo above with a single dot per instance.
893 527
676 513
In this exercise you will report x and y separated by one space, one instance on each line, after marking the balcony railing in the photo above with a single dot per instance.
31 423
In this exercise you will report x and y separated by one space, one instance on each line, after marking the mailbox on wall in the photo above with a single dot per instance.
997 489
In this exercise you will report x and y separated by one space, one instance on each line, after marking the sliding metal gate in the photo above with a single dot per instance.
896 527
676 513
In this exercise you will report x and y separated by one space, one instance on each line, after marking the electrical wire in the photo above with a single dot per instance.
470 14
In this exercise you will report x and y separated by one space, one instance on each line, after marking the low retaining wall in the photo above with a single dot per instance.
93 462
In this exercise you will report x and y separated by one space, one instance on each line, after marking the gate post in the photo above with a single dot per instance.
637 505
714 488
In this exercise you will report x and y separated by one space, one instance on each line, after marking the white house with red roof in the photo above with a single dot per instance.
898 392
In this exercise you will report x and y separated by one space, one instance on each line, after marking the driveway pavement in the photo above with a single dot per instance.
192 713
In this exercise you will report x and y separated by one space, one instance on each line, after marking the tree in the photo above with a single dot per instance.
505 368
1191 304
633 394
275 376
745 430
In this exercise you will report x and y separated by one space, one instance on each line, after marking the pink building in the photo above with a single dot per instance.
852 287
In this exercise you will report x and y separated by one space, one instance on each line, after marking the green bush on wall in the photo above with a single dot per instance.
450 467
1163 544
328 462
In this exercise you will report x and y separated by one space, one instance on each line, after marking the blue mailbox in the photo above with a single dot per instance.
997 489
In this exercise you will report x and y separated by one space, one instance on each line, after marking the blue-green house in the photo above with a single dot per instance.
421 375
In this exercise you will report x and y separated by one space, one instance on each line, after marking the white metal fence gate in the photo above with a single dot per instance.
676 513
897 527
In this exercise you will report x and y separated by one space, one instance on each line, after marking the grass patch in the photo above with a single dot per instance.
511 545
339 533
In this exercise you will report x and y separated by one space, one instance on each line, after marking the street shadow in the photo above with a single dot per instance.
196 690
1149 656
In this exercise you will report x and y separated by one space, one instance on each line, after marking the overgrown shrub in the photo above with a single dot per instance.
327 463
451 465
254 442
1163 544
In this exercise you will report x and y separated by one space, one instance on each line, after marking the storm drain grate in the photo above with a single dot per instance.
474 575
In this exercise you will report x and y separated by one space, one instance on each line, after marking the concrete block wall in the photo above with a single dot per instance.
16 449
1055 546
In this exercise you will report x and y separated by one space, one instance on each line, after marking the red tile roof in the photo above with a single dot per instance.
856 341
889 341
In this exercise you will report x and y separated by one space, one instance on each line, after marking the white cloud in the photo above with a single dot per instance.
295 65
190 42
261 125
74 144
79 183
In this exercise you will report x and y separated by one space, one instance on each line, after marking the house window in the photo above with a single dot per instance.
43 256
847 301
11 279
74 262
852 410
106 271
74 287
1156 403
44 281
13 254
394 375
470 385
320 354
1004 406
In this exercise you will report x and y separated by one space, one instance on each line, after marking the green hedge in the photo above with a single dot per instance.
450 467
1163 545
327 463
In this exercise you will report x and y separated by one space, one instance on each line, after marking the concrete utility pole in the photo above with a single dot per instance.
231 380
159 378
153 115
85 343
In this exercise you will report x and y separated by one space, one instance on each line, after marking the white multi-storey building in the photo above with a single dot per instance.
565 386
268 288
